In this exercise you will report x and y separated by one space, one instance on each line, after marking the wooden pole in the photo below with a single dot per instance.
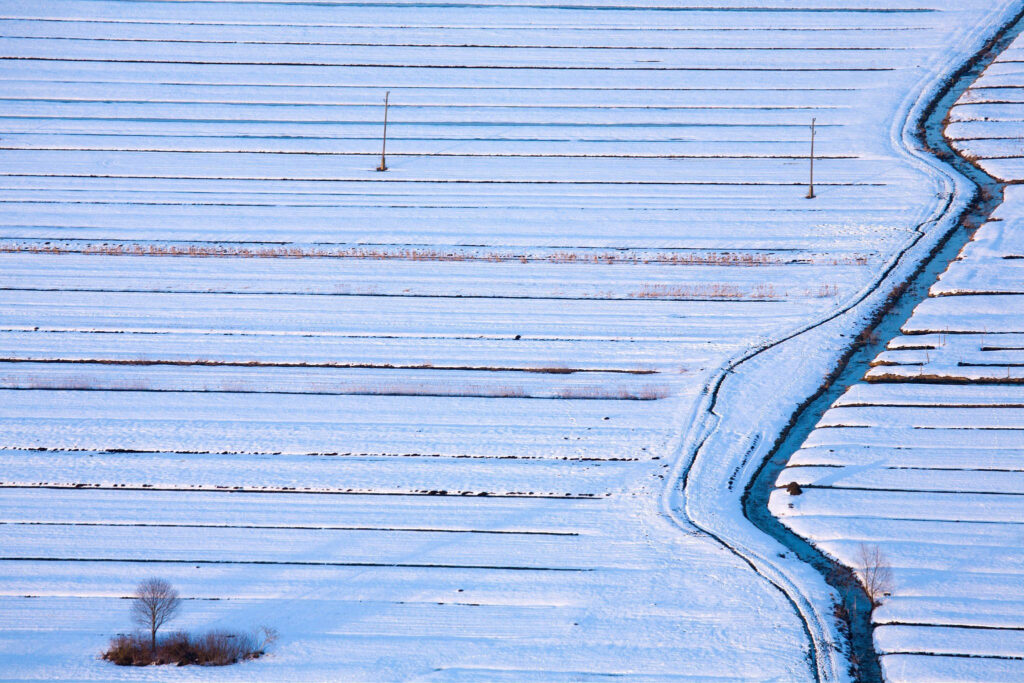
384 144
810 187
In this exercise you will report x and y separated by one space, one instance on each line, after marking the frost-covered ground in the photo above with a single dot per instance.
925 458
423 421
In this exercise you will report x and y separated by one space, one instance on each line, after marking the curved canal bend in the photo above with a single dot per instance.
988 196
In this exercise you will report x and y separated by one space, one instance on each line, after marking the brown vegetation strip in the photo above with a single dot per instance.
245 333
909 490
439 181
713 9
705 293
979 627
498 67
929 405
566 255
368 366
968 364
303 491
959 655
941 379
172 150
317 43
520 27
299 563
559 108
331 454
485 88
900 467
571 393
510 532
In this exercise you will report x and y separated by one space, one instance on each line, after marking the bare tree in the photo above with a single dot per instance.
264 637
875 573
154 603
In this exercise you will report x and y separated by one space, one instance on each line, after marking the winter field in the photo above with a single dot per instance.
461 420
923 457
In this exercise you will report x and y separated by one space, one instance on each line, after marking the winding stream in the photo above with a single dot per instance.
988 196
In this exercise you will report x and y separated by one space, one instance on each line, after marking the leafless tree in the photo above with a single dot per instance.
154 603
264 637
875 573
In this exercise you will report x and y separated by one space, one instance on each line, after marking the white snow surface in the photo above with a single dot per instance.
433 423
924 458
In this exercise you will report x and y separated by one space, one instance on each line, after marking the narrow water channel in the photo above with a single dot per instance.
988 196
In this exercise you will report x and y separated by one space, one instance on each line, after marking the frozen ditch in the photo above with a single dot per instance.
234 354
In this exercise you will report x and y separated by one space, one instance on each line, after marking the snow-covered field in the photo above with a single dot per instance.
426 422
923 459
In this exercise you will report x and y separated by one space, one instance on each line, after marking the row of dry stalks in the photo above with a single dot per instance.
717 290
424 254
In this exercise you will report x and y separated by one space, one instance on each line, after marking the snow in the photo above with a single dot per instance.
236 356
923 457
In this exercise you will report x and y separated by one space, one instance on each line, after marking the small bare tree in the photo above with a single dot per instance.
264 637
875 573
154 603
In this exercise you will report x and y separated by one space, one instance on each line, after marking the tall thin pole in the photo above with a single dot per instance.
384 144
810 188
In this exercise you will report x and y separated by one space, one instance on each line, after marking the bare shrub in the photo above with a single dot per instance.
555 370
264 636
127 650
842 616
840 576
896 292
645 394
220 648
874 572
155 603
177 648
868 336
215 648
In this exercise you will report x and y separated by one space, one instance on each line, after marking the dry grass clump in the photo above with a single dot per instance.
648 393
854 260
713 290
215 648
710 291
